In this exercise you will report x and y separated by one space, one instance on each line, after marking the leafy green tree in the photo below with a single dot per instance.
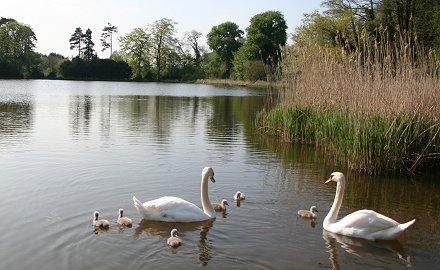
135 49
225 39
163 42
361 15
192 56
418 19
17 44
267 32
322 31
383 20
107 37
426 21
6 20
50 65
247 64
188 69
88 51
192 40
76 40
214 66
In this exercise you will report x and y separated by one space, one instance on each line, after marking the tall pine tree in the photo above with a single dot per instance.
76 40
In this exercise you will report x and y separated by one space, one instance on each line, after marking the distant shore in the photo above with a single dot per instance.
229 82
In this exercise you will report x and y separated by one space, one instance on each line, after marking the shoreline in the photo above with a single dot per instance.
229 82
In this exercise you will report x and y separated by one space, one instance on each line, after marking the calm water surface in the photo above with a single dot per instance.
69 148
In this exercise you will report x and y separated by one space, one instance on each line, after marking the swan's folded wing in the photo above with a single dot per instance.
173 209
367 220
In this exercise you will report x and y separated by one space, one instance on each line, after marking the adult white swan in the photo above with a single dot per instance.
174 209
365 224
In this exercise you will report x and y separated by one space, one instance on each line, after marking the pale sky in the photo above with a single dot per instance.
54 21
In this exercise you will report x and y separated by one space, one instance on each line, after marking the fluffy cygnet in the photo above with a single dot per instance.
101 223
174 240
219 207
239 196
308 213
124 221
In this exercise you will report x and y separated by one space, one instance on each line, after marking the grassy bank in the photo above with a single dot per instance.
230 82
374 114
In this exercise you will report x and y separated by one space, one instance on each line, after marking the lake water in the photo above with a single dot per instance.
70 148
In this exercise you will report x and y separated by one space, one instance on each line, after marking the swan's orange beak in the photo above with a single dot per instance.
328 180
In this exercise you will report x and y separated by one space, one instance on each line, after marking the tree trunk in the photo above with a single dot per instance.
158 58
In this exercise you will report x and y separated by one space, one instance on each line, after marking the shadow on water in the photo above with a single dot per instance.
164 228
365 249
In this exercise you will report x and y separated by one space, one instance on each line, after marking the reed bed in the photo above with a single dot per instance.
376 109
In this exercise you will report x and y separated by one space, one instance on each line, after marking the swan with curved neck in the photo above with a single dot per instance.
174 209
365 224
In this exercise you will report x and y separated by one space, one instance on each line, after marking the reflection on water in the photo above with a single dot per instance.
366 249
80 114
204 245
154 228
15 120
161 114
97 230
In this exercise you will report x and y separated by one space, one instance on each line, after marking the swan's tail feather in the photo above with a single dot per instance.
405 226
138 205
393 232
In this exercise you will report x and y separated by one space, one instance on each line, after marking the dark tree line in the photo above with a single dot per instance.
87 65
155 53
95 69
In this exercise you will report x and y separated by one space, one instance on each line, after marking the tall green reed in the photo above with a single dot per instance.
377 109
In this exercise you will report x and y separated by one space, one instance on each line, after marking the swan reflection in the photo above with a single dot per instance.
204 247
154 228
363 248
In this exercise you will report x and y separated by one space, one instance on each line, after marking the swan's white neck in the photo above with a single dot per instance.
206 203
332 215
